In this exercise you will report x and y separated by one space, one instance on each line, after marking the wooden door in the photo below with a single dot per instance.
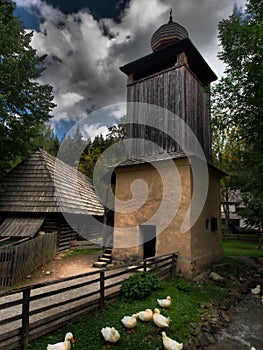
148 233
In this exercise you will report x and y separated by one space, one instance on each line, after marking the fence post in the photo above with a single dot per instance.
25 318
144 265
173 269
44 242
102 289
13 272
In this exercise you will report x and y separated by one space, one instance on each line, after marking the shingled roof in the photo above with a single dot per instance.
43 184
20 227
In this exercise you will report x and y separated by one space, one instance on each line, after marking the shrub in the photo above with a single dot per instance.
183 285
139 286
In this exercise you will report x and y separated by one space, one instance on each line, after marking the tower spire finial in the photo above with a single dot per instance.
171 15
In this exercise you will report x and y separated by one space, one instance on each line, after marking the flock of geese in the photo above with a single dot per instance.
112 336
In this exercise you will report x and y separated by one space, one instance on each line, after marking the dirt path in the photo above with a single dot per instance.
63 266
59 268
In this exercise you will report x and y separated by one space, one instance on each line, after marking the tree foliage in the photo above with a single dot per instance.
45 139
237 100
95 149
25 104
84 154
226 155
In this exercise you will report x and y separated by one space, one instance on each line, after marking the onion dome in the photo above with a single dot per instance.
168 34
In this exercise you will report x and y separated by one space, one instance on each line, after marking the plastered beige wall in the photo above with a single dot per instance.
207 244
169 185
173 181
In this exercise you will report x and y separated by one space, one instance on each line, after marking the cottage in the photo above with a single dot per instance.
43 194
231 205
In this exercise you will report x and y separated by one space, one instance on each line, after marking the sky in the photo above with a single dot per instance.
88 40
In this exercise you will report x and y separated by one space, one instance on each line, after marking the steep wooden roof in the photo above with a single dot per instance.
166 58
41 183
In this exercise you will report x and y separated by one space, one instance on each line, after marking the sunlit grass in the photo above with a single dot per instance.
241 248
74 252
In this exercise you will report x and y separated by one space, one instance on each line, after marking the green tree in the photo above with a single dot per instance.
237 99
100 143
72 146
226 154
117 132
46 139
25 104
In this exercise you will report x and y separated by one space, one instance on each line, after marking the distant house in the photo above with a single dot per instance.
235 221
43 194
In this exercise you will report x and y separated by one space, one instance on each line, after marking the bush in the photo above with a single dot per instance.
183 285
139 286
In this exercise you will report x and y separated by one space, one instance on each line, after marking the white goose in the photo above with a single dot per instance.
170 344
165 303
62 345
256 290
111 335
130 322
159 320
146 315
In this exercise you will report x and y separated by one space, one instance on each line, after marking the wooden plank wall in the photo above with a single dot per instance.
90 228
66 234
17 261
176 90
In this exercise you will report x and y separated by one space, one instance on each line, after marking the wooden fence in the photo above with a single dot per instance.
33 311
18 261
241 236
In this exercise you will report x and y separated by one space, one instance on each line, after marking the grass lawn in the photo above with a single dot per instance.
184 312
241 248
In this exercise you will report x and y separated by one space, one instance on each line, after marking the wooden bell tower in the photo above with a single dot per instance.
177 78
168 105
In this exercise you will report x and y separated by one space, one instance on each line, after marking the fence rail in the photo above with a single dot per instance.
17 261
36 310
241 236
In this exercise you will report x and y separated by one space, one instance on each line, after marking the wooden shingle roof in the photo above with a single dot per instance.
152 158
166 58
20 227
43 184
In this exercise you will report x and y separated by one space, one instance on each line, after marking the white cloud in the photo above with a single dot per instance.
89 132
66 102
83 64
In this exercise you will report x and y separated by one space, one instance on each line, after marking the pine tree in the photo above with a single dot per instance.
25 104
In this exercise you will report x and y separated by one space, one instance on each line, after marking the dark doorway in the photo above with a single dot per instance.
148 233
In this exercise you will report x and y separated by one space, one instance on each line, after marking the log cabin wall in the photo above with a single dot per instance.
65 233
179 91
